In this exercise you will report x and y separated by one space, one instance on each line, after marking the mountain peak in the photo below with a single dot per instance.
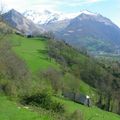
43 17
88 13
13 11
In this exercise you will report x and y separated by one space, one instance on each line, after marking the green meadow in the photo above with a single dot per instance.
34 52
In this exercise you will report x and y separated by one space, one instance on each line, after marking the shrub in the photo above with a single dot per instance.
15 78
43 100
58 107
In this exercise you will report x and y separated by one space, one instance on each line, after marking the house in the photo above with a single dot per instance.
79 98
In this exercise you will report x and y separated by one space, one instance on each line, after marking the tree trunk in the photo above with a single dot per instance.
119 108
108 103
99 104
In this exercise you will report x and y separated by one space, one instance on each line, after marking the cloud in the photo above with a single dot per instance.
93 1
82 2
21 5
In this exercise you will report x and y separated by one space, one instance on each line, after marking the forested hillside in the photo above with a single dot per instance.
36 72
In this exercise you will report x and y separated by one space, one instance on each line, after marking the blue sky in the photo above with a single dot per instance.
108 8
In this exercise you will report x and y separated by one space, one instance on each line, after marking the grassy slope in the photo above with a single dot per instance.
28 50
11 111
90 113
33 52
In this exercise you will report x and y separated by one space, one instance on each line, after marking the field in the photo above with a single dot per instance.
90 113
33 52
11 111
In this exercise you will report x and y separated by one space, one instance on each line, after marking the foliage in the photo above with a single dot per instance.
44 100
88 69
64 67
10 110
13 71
92 113
54 77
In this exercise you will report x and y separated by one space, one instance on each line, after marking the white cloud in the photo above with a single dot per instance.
83 2
93 1
22 5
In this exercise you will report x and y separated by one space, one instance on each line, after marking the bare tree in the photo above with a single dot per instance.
2 9
5 29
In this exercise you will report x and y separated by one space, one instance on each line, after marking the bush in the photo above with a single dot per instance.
58 107
43 100
53 78
15 78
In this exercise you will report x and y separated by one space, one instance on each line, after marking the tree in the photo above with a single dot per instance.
54 77
71 84
12 69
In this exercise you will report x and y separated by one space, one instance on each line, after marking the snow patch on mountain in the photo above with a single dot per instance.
46 16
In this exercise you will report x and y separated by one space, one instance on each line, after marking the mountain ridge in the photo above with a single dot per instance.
85 29
49 17
88 31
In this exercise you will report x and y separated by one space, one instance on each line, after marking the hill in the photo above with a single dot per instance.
34 52
55 67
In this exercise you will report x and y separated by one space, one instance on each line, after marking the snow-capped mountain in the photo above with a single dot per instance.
54 21
43 17
46 16
83 29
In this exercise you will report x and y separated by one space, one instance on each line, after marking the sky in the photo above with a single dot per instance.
107 8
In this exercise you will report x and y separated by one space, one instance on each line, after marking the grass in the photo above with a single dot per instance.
33 52
90 113
88 90
11 111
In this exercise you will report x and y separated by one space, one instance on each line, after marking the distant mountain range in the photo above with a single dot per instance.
92 31
85 29
47 17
